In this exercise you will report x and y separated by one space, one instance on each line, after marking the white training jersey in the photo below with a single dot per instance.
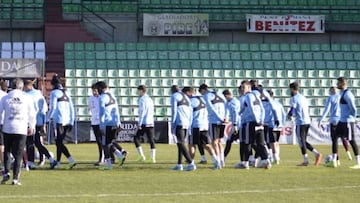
19 113
2 94
94 110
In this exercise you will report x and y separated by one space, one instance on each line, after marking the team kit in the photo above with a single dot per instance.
198 121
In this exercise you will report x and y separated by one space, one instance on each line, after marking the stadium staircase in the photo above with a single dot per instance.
57 32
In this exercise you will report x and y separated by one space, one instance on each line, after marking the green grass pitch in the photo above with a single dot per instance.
157 183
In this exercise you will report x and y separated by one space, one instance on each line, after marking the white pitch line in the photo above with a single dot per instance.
176 194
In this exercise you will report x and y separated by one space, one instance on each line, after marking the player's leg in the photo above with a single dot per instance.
30 151
267 131
106 143
139 134
233 137
180 134
351 127
42 149
346 145
220 146
19 144
262 150
115 148
204 140
66 151
304 133
97 133
193 141
8 143
302 144
150 133
245 147
202 154
276 152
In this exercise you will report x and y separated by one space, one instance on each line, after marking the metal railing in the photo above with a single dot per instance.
108 30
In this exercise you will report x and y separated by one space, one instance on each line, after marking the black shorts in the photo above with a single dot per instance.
276 134
199 137
216 131
1 138
346 130
269 135
250 132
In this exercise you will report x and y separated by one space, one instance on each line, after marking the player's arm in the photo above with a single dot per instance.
142 111
31 118
72 111
53 105
350 99
102 104
173 110
292 108
326 110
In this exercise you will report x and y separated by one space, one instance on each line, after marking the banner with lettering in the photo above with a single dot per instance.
285 23
21 68
181 25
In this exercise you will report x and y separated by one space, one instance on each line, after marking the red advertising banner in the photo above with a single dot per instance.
285 23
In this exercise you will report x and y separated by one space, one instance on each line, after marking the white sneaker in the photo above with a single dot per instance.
16 182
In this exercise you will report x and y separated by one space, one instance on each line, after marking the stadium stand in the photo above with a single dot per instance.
159 65
21 10
27 50
225 10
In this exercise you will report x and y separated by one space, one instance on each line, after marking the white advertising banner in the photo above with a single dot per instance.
285 23
178 25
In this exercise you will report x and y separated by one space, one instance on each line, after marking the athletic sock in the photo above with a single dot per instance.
222 156
203 158
214 159
334 158
71 160
246 163
118 154
140 151
153 153
306 158
349 154
108 163
357 158
315 152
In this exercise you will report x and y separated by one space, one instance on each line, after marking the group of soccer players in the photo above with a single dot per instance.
256 120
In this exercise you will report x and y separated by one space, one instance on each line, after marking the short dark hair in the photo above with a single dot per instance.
294 85
341 79
93 86
254 82
271 93
203 87
142 88
28 82
187 89
101 85
226 92
56 81
174 88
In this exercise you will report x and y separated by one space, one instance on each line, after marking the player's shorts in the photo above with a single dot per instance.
216 131
269 135
276 134
346 130
199 137
1 138
250 131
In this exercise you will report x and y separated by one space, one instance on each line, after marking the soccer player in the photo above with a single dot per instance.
19 121
346 125
145 125
95 122
199 130
62 113
333 106
233 106
274 134
109 125
3 93
181 119
215 104
299 107
253 115
41 108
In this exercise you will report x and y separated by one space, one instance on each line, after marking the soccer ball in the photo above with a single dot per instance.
328 158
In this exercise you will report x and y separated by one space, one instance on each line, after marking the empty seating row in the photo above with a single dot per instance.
26 50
